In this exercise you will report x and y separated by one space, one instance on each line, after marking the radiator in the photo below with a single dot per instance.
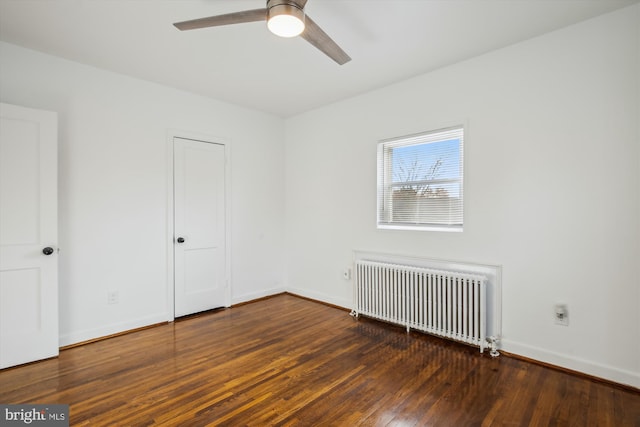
449 304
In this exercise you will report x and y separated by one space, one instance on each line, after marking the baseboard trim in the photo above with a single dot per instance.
256 296
106 337
109 330
571 372
585 368
258 299
293 294
319 297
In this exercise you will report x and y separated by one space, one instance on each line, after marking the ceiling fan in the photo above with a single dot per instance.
285 18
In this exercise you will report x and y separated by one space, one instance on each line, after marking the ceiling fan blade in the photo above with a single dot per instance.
226 19
321 40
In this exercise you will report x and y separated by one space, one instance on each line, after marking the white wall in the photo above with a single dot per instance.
113 188
552 187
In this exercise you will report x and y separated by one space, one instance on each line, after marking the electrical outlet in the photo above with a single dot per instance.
347 274
112 297
561 313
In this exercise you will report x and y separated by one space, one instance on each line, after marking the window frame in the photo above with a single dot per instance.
385 182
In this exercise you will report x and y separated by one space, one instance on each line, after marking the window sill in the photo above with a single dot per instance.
454 229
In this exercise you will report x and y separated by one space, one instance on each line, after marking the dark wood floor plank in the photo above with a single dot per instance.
287 361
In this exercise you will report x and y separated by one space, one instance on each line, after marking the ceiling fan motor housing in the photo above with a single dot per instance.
284 7
272 3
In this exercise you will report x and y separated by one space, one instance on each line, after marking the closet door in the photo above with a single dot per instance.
199 228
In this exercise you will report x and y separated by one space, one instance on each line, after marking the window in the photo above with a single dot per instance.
420 181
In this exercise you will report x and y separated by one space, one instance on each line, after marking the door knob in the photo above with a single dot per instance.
48 250
180 240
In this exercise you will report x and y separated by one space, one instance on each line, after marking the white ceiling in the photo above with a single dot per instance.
389 41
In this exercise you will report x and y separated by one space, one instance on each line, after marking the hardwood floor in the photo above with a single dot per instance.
289 361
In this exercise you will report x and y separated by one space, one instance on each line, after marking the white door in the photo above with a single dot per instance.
28 235
199 226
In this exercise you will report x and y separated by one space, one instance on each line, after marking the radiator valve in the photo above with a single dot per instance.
493 341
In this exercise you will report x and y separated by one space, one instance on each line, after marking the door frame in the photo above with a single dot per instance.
194 136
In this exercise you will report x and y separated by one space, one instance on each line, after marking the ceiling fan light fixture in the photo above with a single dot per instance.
285 20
